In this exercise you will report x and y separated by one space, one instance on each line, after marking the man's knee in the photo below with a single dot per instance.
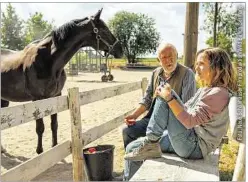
131 133
125 132
127 135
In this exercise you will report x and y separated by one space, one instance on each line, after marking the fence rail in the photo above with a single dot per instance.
16 115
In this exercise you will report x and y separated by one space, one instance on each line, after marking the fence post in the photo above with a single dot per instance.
144 83
239 171
76 134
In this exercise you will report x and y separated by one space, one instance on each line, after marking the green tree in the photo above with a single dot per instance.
223 42
11 29
136 32
36 27
220 24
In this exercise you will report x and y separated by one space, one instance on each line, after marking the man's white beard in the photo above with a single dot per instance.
168 73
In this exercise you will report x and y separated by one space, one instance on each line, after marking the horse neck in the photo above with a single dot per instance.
63 54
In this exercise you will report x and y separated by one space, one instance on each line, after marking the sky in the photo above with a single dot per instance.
169 17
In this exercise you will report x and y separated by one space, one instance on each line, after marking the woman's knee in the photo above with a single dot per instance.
162 101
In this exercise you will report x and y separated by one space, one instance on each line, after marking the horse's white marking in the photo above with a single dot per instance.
12 60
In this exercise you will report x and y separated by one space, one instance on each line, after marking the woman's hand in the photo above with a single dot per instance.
164 91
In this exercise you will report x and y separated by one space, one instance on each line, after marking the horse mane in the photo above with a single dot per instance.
25 57
60 34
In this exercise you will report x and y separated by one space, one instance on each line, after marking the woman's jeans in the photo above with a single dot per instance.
173 136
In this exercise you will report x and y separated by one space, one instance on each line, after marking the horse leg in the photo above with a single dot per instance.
54 128
4 103
39 130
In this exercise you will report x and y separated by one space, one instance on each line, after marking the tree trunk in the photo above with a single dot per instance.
131 59
215 23
191 34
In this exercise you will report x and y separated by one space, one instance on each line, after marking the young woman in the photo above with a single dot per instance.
194 129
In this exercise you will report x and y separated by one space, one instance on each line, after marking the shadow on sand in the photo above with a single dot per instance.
62 171
9 161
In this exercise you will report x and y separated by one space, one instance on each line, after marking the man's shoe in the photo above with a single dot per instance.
147 150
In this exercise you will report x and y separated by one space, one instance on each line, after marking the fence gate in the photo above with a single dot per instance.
88 60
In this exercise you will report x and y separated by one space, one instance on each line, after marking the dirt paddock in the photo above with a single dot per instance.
20 142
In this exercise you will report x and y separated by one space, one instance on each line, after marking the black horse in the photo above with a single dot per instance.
37 72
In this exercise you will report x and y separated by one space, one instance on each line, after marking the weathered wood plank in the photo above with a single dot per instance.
103 93
76 134
144 84
35 166
237 119
239 171
173 168
16 115
100 130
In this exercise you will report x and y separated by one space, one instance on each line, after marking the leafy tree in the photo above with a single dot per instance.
36 27
223 42
11 29
220 24
136 32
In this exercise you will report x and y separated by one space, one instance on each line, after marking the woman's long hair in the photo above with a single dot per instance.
223 74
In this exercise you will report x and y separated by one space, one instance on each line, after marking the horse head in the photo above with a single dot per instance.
101 37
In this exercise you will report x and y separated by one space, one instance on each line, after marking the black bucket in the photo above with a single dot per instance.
100 163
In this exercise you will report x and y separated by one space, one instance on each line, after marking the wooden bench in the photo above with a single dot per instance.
170 167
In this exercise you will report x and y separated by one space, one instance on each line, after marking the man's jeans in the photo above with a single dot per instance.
173 136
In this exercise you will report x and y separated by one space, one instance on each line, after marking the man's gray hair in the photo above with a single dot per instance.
163 46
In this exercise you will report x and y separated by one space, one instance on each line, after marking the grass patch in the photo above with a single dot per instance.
228 158
117 63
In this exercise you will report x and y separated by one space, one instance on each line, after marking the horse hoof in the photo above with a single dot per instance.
54 144
39 151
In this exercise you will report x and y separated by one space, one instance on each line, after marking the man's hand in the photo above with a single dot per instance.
164 91
130 120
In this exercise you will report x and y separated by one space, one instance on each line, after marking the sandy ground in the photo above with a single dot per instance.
20 142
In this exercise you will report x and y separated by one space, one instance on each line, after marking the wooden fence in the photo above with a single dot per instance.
17 115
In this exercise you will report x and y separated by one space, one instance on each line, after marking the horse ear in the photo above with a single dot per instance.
98 14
